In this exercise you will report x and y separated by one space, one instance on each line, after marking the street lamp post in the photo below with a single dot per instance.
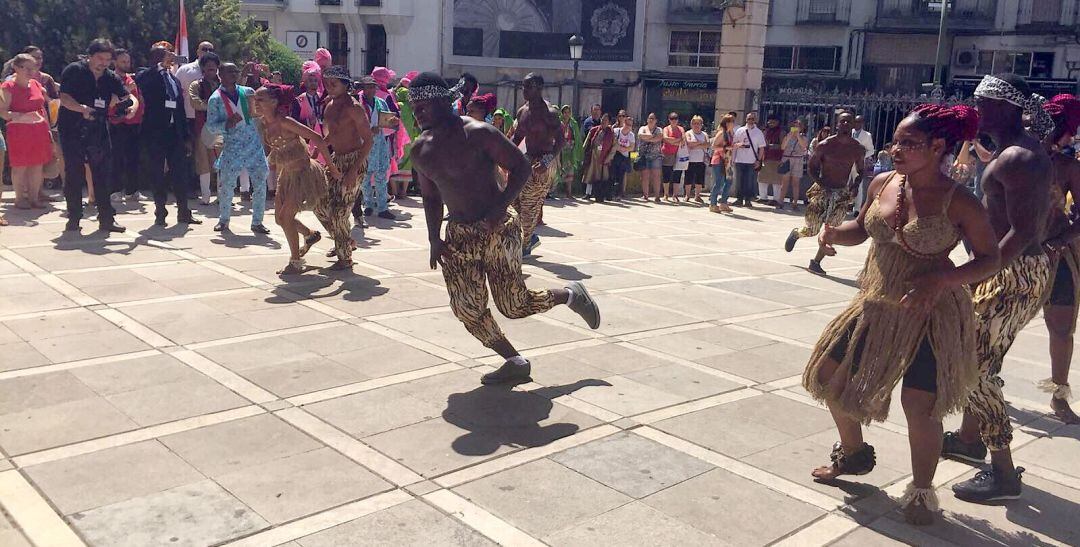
938 91
577 45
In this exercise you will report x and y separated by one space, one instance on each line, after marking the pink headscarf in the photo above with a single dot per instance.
312 67
323 58
412 74
383 76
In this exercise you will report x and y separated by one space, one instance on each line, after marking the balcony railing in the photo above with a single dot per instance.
823 12
695 12
1047 15
925 14
329 2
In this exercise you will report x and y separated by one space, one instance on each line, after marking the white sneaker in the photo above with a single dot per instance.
117 196
132 198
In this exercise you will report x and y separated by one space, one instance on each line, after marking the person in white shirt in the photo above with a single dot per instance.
697 142
749 143
625 143
866 139
188 73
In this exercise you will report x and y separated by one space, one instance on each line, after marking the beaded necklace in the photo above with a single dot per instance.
898 226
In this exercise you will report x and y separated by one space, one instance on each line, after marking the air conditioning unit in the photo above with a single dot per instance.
966 58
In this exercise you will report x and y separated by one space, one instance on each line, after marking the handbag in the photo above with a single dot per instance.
640 163
682 158
784 167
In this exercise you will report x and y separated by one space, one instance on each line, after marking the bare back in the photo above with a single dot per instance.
1067 179
835 156
460 159
348 128
539 128
1016 188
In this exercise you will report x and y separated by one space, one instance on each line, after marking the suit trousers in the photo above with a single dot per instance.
168 170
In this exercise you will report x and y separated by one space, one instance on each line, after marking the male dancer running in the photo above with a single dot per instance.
1063 227
832 193
538 124
1016 186
455 159
348 132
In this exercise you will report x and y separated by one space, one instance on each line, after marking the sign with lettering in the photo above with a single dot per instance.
302 42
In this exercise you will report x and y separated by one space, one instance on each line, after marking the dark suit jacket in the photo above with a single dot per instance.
157 118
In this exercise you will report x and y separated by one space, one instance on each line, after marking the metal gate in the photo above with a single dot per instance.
881 112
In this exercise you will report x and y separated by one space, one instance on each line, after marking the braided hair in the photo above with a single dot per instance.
284 96
1064 109
954 124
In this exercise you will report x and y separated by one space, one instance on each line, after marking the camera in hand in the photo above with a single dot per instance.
122 108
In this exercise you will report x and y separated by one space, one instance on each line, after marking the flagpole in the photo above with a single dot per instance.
182 33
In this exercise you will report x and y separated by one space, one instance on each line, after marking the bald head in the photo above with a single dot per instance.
204 48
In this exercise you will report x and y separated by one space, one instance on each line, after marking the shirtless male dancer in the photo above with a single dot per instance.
539 125
348 132
831 195
1016 188
1061 244
455 159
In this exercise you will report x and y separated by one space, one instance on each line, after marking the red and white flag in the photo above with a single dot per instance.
181 34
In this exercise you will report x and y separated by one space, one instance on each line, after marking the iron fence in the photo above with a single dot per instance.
881 112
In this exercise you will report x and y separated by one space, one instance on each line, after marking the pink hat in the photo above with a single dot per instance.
411 75
382 76
323 58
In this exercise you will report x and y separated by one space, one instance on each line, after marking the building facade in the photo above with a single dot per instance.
890 46
360 34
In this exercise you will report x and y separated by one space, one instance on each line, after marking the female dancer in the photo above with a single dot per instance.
913 318
1062 229
301 183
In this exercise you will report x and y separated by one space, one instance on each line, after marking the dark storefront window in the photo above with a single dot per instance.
338 43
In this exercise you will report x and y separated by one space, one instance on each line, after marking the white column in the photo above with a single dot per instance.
742 54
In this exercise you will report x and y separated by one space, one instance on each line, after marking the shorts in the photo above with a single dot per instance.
796 167
1063 291
921 373
654 163
670 175
695 173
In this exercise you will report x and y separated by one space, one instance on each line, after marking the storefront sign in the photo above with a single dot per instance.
1047 87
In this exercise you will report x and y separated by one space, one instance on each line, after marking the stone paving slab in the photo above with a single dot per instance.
166 387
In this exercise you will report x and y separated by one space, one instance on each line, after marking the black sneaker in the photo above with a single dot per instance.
584 305
221 227
815 267
509 374
387 215
260 229
113 227
789 245
953 447
368 211
987 487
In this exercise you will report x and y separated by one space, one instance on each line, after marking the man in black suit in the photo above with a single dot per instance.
164 131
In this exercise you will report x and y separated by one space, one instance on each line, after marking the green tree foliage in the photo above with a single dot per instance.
283 59
63 28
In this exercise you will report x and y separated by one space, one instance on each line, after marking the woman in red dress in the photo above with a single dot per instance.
22 104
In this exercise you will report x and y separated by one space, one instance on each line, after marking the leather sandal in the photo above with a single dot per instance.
858 462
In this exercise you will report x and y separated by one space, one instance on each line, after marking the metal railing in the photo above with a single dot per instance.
881 112
823 12
1053 13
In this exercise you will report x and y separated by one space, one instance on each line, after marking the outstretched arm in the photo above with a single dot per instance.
313 138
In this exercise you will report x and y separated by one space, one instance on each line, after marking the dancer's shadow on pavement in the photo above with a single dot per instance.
562 271
496 416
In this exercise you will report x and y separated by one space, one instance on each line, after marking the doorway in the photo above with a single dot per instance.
375 54
337 38
612 100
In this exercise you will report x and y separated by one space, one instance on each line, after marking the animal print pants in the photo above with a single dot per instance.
530 200
1004 304
475 253
825 205
335 214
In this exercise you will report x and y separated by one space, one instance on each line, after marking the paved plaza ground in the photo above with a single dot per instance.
165 387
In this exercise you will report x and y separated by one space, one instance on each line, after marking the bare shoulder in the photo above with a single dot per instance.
964 202
1019 164
879 182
